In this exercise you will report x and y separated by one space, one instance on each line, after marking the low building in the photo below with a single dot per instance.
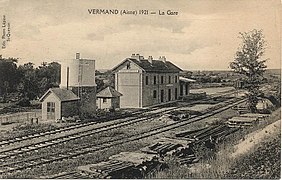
58 103
108 98
146 82
185 86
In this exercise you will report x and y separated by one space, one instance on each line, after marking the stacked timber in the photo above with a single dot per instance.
164 146
177 148
105 170
242 121
145 164
211 134
123 165
255 115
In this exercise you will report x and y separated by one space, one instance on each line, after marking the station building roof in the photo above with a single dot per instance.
159 66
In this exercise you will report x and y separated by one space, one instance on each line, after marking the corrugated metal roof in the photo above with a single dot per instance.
108 92
62 94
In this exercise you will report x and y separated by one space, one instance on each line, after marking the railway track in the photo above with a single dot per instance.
135 115
76 152
122 119
12 152
57 130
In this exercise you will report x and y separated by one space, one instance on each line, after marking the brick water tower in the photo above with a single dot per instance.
78 75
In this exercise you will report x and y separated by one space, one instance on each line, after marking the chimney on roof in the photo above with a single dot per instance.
77 55
163 59
150 59
137 57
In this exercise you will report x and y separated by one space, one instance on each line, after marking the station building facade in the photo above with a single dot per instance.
146 82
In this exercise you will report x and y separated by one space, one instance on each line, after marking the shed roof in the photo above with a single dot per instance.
155 66
186 79
62 94
108 92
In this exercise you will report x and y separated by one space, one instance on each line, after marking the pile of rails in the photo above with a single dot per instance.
211 134
150 159
141 164
245 120
123 165
179 149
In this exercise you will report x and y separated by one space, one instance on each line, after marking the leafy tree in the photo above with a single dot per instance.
26 81
36 81
48 76
9 76
248 62
100 84
28 86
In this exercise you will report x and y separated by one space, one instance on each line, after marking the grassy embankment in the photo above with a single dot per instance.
249 153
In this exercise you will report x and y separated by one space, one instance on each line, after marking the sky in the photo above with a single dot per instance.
203 36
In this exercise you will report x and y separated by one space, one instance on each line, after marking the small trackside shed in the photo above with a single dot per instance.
58 103
108 98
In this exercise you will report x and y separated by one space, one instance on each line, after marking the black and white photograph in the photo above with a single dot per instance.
131 89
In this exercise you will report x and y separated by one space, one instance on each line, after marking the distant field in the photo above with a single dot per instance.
212 90
273 71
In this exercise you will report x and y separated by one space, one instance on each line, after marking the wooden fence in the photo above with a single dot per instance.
22 117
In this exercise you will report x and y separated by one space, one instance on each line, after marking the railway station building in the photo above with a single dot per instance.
146 82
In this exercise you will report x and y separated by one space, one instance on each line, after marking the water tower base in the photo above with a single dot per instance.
87 105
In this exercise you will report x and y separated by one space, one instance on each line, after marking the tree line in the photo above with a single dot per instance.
18 82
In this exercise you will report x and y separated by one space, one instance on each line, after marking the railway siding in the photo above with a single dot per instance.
54 157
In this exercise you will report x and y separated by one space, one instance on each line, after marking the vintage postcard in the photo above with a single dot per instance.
131 89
